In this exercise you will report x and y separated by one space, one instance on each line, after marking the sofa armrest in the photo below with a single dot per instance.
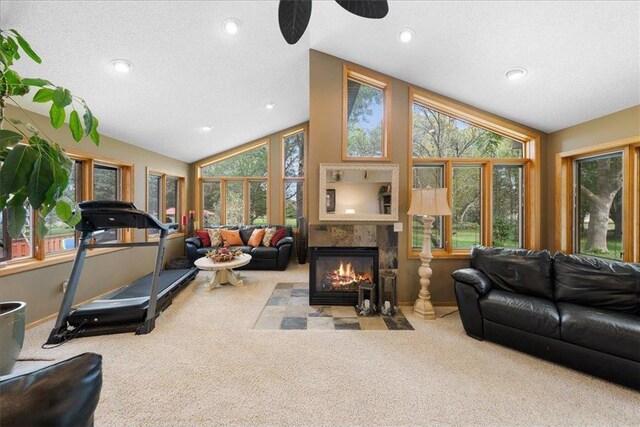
194 241
473 277
284 241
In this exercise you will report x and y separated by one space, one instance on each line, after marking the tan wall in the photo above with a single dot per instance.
623 124
325 139
40 288
274 197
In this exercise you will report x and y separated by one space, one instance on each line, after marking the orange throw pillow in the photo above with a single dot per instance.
231 238
256 237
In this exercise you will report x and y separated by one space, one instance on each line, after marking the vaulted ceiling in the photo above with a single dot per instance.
583 62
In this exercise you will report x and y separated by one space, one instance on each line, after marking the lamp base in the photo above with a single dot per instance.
424 309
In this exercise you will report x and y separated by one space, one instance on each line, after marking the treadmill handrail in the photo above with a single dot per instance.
108 214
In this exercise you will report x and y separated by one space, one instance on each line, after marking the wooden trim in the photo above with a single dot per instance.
378 81
469 114
233 152
595 150
531 162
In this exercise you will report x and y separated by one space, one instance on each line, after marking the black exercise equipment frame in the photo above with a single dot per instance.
104 215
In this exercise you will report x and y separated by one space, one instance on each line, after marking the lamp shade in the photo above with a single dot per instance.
429 201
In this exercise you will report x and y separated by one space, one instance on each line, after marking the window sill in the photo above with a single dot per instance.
416 255
34 264
169 237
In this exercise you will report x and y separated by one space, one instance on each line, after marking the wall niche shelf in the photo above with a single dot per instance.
358 192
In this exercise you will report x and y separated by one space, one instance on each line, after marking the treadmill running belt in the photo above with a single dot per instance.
142 286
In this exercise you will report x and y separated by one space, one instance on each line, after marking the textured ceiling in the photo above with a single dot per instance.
583 60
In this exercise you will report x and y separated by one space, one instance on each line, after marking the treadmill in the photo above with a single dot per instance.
132 308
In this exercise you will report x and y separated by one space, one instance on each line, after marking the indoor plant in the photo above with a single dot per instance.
34 170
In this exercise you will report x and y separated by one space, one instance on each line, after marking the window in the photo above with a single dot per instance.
597 195
61 237
233 187
293 176
90 179
106 186
484 165
367 108
164 198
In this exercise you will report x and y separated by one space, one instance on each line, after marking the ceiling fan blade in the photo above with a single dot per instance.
375 9
293 17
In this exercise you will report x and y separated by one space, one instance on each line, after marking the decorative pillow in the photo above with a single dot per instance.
204 237
231 238
215 238
268 235
278 236
256 237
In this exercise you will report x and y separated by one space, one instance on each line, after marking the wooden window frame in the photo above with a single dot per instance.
126 184
285 179
378 81
182 199
223 187
530 162
565 164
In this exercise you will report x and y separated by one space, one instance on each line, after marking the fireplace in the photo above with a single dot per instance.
336 272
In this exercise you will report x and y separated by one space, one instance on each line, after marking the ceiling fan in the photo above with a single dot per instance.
294 15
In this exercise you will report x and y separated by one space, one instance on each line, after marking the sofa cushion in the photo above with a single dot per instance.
597 283
256 237
245 233
601 330
231 238
280 234
215 238
262 252
204 237
203 251
268 235
516 270
243 248
527 313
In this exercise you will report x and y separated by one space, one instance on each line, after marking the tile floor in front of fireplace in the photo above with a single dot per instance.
288 308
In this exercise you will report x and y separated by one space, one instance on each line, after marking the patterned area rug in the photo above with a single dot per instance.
288 308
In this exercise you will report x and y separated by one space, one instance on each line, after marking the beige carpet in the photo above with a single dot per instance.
204 364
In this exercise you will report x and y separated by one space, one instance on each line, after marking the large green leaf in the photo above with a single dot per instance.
41 179
26 47
14 81
36 82
57 115
41 228
77 216
16 169
88 119
61 97
95 136
13 48
16 215
63 210
75 125
43 95
8 137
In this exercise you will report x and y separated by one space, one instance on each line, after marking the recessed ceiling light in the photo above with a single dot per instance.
406 35
207 128
121 66
271 105
231 25
515 73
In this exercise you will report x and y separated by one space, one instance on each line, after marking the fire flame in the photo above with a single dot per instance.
346 275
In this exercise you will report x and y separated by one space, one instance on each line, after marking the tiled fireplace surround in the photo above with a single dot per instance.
366 235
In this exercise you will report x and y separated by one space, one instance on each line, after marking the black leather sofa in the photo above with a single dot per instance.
262 257
582 312
63 394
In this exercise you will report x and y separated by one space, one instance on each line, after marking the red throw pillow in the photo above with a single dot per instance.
278 236
204 238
